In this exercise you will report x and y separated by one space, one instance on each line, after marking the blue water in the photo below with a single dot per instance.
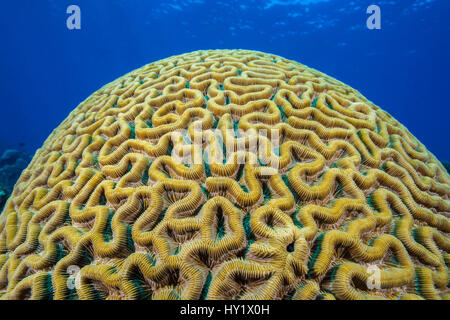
47 70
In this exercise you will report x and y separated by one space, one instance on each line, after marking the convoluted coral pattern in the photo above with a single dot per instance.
354 192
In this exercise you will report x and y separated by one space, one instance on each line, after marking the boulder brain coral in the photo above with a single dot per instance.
356 208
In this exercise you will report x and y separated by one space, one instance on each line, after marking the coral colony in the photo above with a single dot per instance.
228 174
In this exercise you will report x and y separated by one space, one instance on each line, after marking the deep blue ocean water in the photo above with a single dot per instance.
47 70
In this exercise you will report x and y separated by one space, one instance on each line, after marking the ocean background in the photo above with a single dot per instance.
47 70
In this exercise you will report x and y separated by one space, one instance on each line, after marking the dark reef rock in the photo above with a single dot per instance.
3 197
446 165
12 163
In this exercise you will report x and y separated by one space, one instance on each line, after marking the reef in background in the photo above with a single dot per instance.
12 163
446 165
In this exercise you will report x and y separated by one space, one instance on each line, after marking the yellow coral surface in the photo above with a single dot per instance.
105 210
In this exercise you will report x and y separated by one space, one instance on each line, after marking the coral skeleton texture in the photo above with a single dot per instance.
106 197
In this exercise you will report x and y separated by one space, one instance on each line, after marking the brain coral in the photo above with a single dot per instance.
357 208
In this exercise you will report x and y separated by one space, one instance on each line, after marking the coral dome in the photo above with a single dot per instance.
228 174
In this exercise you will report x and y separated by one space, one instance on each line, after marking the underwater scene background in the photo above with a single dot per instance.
47 69
224 174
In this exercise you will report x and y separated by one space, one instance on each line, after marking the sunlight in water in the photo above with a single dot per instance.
272 3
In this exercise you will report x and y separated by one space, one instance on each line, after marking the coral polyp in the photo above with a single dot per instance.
355 207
